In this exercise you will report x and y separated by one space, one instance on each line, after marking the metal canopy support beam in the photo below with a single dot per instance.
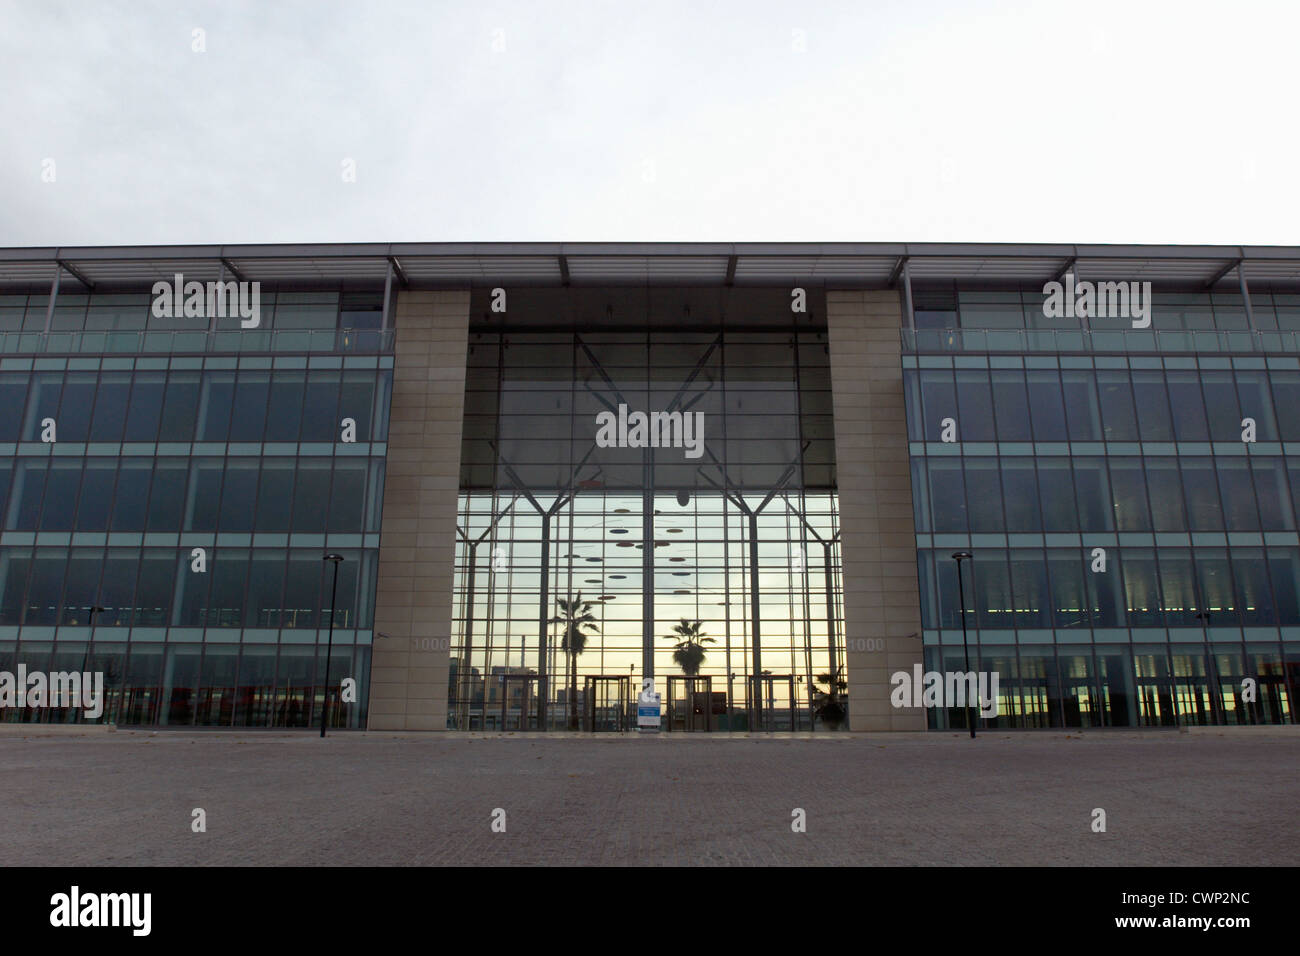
897 271
731 269
76 275
395 268
1067 266
1245 295
54 296
907 296
564 268
1222 274
388 295
230 266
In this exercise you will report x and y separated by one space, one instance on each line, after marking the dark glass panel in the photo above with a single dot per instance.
215 705
920 496
1284 570
131 499
1118 415
1082 413
76 405
975 406
238 495
148 390
320 419
1253 597
275 494
984 494
1046 408
357 400
45 589
180 685
1286 397
153 599
383 399
1154 422
216 404
1178 587
1129 492
912 403
117 589
1185 398
1020 491
82 587
192 590
1215 586
1166 485
14 565
1092 486
229 571
992 599
311 495
96 494
13 394
59 510
265 587
42 403
1238 494
167 494
302 589
1221 404
1201 488
284 411
1029 585
255 698
939 399
1257 402
1273 494
1069 595
348 496
180 406
252 398
204 496
1141 590
947 496
111 403
25 498
1057 490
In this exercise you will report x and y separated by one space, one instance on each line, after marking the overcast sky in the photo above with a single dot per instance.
748 121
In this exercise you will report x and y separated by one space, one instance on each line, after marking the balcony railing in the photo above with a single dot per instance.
366 341
1097 340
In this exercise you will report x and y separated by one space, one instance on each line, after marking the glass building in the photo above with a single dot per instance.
747 467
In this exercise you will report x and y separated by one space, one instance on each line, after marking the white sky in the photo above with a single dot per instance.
900 121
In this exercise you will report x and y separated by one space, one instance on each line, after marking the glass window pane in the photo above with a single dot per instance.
284 411
204 496
1069 595
265 587
1141 593
356 401
939 399
82 587
215 405
59 509
147 394
25 496
1166 484
1238 493
1274 495
111 403
14 565
1082 413
252 398
275 494
75 406
1029 585
180 406
153 598
1215 581
238 495
1284 570
1221 404
992 590
1154 422
320 420
1253 598
131 498
984 495
167 494
975 406
1257 403
45 589
1178 587
311 495
947 496
1060 514
229 571
96 494
1202 492
1046 408
1020 493
42 403
13 395
348 496
117 589
1118 415
1092 486
1185 397
1129 492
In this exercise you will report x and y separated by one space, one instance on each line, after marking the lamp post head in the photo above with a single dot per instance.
332 556
959 556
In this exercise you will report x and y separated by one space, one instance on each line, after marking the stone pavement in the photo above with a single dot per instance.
125 798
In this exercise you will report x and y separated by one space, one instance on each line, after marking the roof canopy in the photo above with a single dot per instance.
431 265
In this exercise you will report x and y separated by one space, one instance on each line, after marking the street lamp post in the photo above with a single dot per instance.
960 556
336 560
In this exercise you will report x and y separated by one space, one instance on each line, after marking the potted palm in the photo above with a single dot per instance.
828 703
690 638
576 617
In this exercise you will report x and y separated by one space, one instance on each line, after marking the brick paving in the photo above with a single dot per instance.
125 798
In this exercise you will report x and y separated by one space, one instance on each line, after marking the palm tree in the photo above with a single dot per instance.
575 614
829 704
690 651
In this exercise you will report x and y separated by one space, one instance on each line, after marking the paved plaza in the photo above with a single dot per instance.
1217 797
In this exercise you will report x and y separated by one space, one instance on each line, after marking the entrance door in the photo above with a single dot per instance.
690 703
521 697
608 703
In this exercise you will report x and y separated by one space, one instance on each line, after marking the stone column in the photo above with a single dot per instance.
882 612
413 600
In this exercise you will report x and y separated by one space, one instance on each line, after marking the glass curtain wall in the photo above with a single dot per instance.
729 527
